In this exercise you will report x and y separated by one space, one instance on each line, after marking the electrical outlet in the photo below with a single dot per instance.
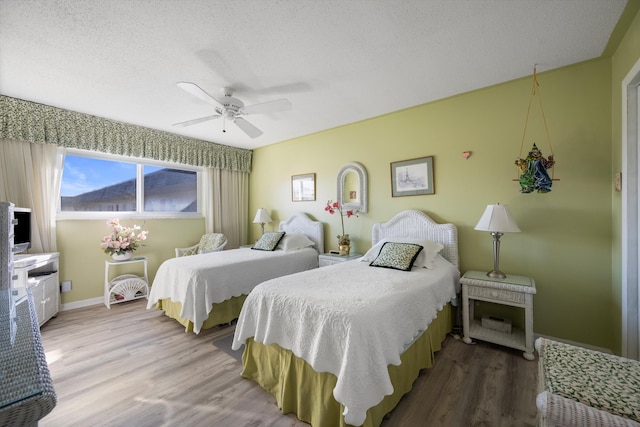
66 286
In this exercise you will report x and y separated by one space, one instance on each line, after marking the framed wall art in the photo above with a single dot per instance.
303 187
412 177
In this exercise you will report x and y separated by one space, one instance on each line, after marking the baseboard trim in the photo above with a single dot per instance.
578 344
81 304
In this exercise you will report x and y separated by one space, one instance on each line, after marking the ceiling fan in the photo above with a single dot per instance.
232 109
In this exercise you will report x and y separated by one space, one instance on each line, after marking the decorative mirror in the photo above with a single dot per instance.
353 187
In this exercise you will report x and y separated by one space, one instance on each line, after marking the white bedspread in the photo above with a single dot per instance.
199 281
349 319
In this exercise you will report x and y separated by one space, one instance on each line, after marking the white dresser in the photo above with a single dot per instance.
39 273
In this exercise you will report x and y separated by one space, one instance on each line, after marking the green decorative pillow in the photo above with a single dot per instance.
269 241
210 242
399 256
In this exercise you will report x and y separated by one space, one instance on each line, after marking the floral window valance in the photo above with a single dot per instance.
44 124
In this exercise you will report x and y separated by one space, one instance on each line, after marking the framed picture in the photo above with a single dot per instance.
412 177
303 187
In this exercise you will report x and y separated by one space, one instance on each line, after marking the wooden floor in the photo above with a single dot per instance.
129 366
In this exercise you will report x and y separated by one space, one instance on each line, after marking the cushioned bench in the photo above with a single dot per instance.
581 387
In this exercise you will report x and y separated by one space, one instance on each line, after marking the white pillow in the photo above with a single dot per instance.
294 241
425 257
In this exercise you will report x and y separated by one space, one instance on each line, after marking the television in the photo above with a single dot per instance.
21 229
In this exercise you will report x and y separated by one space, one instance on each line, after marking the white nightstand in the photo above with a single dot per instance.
516 291
330 259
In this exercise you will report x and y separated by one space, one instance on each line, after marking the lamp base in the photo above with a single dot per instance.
497 274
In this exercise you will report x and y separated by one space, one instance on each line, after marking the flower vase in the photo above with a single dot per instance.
125 256
344 244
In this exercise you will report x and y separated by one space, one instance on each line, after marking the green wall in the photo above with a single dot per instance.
82 259
566 240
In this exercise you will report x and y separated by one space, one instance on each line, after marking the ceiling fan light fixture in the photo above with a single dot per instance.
232 104
230 108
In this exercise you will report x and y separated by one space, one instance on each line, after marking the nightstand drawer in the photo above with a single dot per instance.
330 259
497 295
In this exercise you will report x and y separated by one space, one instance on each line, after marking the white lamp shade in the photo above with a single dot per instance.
497 218
262 217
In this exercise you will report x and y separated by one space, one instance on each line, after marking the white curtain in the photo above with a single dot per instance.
30 177
227 204
16 176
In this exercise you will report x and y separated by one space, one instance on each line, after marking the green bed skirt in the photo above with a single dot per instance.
300 390
220 314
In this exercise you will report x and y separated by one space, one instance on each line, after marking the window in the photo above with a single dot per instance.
102 183
169 190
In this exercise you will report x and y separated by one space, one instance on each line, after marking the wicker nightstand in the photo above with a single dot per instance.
125 287
516 291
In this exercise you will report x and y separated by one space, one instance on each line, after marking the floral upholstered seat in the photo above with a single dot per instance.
210 242
582 387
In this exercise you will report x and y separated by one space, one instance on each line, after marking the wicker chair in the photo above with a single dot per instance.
210 242
579 387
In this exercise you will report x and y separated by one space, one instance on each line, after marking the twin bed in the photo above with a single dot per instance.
205 290
340 345
337 345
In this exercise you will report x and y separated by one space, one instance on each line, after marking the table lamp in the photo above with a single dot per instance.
497 220
262 217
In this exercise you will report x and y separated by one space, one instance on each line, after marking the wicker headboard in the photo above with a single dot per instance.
413 223
299 222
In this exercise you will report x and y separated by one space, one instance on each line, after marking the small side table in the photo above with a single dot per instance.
330 259
125 287
516 291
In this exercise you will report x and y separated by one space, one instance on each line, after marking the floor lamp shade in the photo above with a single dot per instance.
262 217
497 220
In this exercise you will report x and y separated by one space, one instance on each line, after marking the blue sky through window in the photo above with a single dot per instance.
83 174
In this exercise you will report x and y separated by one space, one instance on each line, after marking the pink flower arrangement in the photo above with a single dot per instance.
333 207
122 239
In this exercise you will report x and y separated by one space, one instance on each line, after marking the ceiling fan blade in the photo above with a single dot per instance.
196 121
267 107
196 91
247 127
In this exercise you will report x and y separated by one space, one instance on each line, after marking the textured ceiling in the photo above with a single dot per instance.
337 61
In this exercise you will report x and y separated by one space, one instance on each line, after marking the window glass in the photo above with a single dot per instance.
96 184
170 190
